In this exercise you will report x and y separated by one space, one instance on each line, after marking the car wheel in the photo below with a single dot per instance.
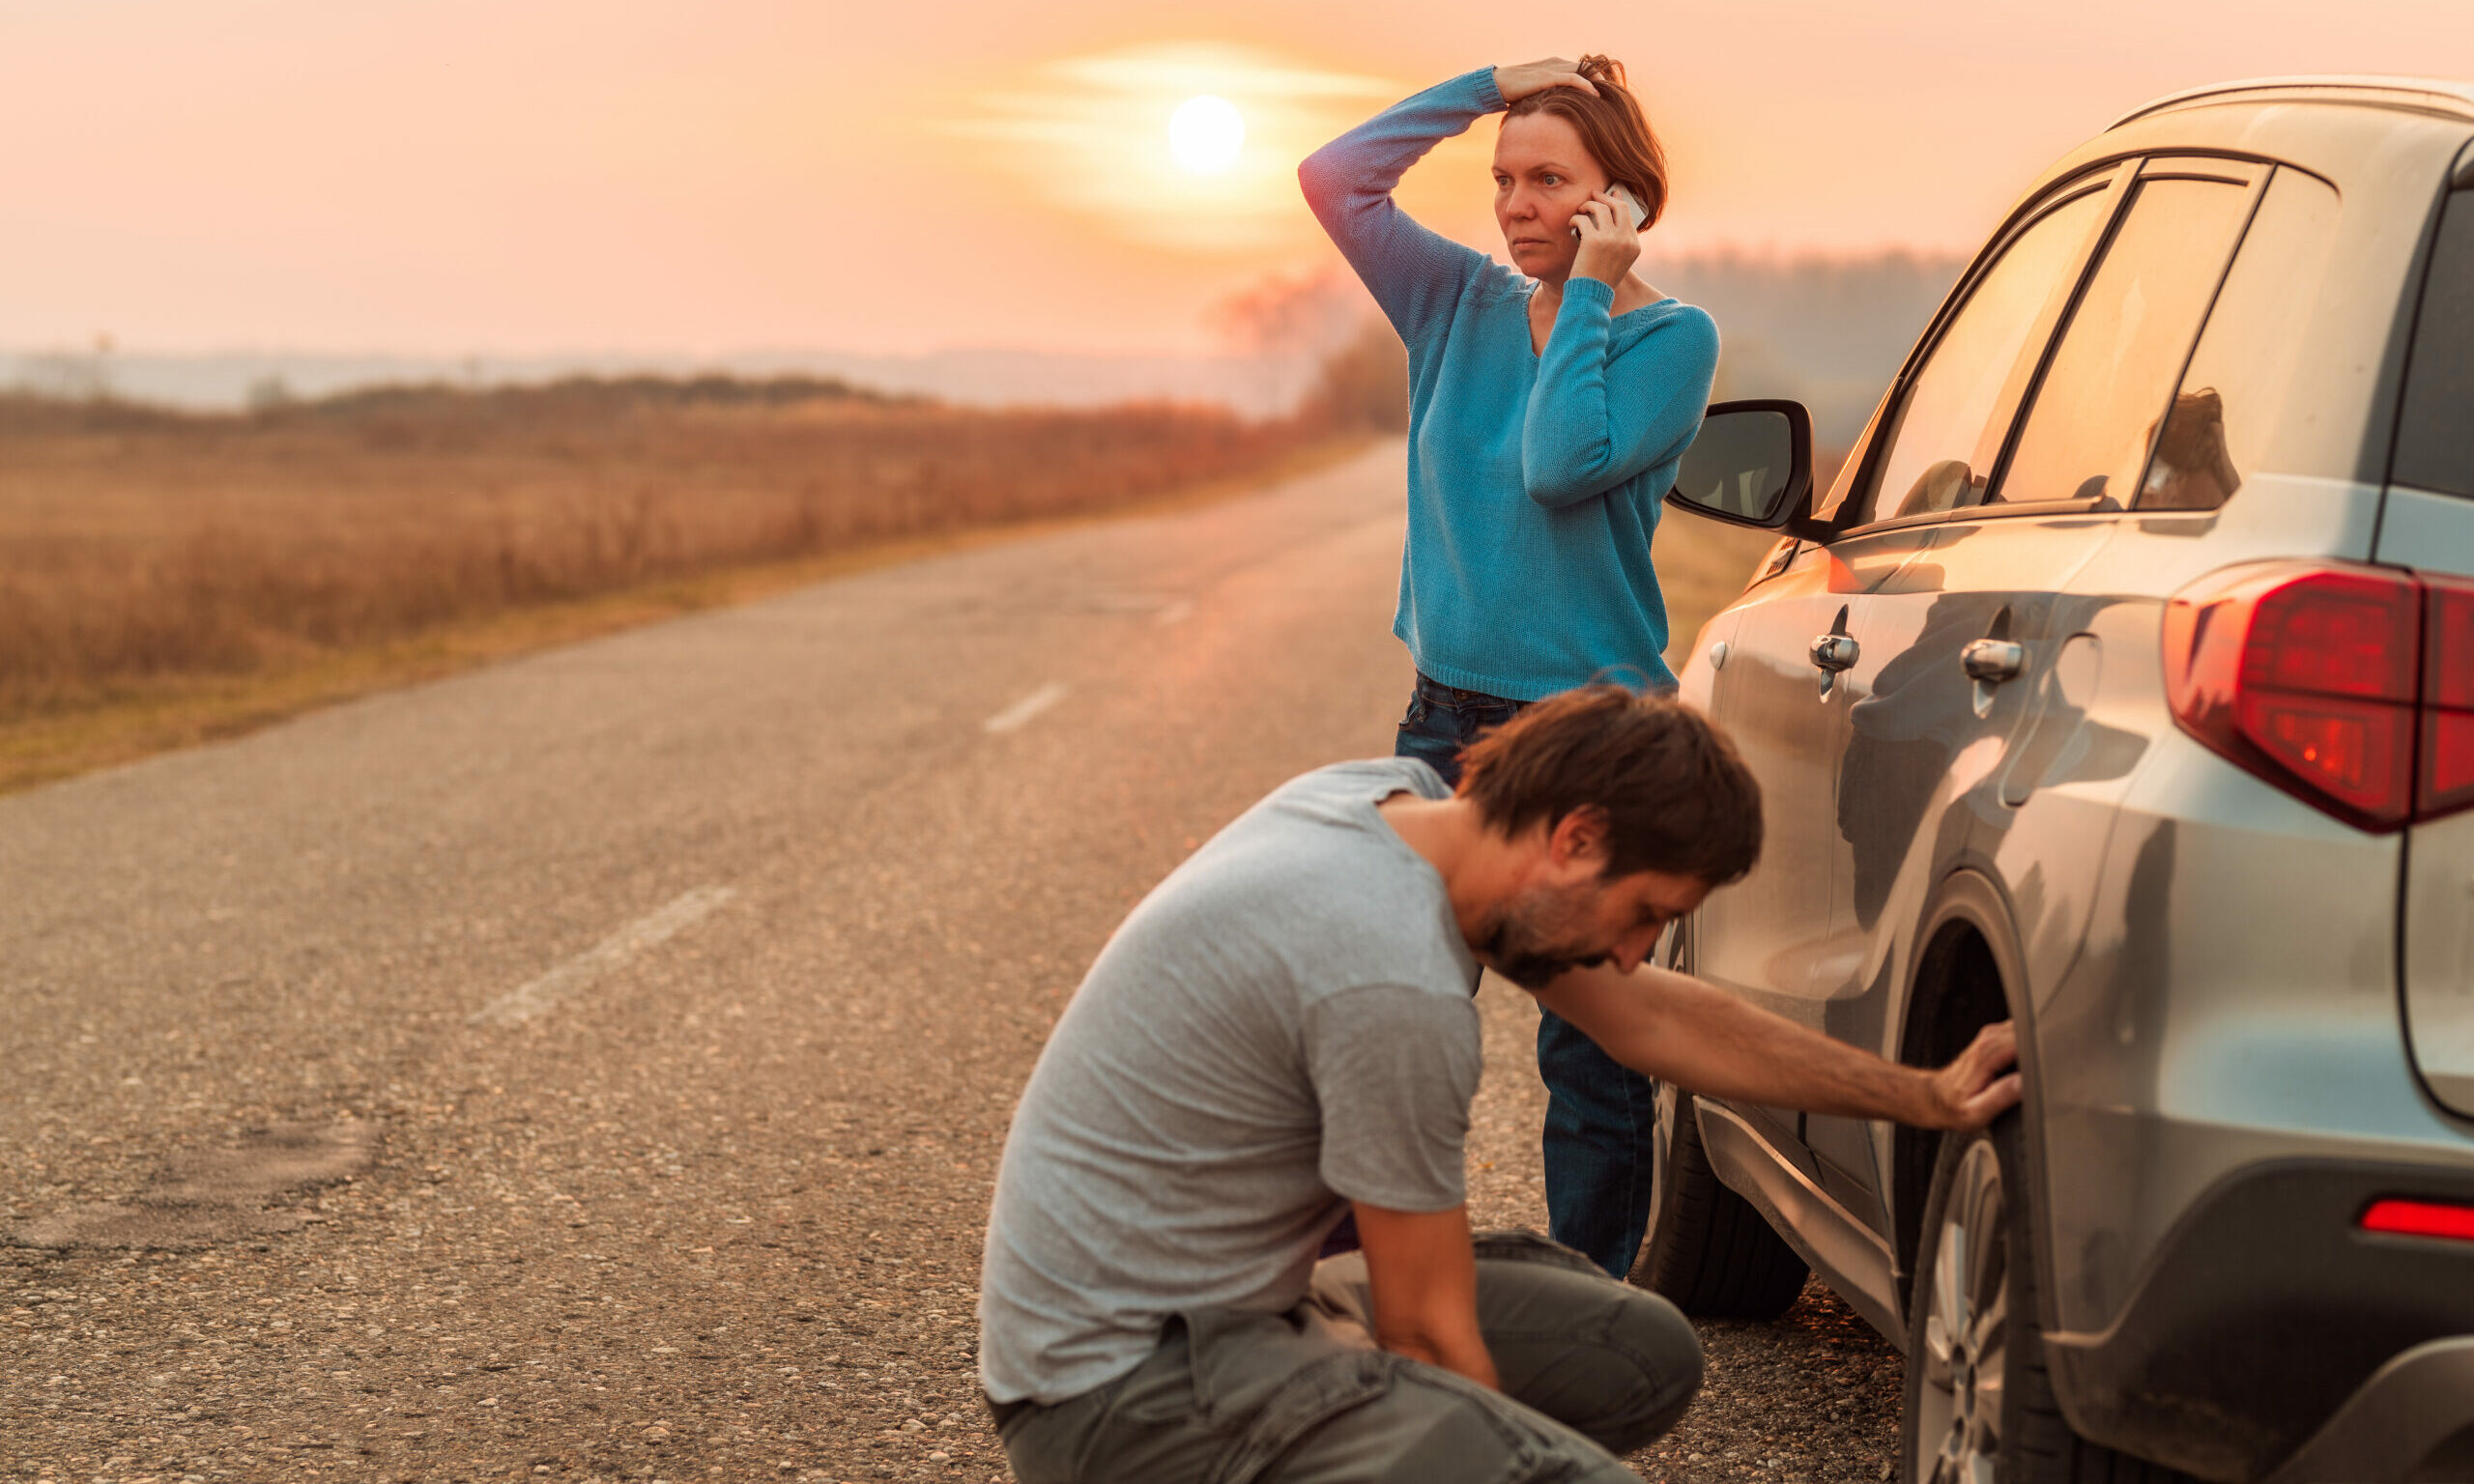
1708 1249
1979 1404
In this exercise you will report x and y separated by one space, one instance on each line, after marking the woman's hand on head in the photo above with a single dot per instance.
1609 246
1515 83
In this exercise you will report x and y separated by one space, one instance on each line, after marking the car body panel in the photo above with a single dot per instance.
1790 734
1919 777
2435 533
2208 972
1834 1241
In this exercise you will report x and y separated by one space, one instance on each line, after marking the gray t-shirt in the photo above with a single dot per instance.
1282 1026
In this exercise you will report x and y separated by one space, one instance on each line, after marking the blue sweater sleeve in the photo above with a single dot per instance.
1595 421
1414 274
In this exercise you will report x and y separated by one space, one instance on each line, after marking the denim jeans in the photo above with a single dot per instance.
1601 1116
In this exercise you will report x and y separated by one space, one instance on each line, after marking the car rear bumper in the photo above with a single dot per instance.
2412 1419
2269 1324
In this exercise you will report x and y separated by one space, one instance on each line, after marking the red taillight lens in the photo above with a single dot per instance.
2419 1218
2354 751
2447 772
2307 677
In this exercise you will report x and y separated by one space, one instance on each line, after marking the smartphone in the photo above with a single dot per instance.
1633 216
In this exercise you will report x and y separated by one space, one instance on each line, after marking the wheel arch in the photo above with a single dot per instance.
1968 974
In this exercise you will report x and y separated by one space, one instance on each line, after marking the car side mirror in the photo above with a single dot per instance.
1752 464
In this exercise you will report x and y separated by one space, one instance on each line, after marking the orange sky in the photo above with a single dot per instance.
449 177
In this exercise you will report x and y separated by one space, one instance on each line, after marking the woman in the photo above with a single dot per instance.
1548 405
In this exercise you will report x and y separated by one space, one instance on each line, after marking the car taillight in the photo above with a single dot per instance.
2419 1218
2448 702
2351 688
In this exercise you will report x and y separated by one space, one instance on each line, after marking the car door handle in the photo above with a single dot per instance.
1994 660
1834 652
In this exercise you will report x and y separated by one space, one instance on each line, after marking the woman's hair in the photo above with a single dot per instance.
1677 796
1613 126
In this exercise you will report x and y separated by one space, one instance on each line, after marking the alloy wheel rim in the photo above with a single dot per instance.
1966 1329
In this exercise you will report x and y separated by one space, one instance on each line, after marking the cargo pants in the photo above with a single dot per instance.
1589 1368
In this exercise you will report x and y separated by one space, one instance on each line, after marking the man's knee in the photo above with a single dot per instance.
1667 1357
1610 1359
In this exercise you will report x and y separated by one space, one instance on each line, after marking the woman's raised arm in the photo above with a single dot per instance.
1414 274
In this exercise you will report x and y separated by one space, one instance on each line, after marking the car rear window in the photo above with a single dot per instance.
2095 416
2435 429
2227 414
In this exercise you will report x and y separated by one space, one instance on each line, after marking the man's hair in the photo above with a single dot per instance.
1613 128
1677 797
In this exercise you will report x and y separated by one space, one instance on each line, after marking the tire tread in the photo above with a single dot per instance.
1712 1254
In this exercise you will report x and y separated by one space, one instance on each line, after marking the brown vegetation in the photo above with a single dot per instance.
166 578
139 546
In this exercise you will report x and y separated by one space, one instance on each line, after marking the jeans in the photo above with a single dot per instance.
1601 1116
1589 1369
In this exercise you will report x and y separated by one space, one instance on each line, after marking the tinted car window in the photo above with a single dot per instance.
2114 369
1939 452
2435 435
2232 400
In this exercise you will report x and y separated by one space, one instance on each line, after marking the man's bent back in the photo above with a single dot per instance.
1282 1026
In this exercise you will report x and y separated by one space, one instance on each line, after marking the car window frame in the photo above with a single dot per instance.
2174 166
2104 179
2457 194
2117 178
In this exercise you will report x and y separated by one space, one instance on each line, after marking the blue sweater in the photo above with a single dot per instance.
1535 480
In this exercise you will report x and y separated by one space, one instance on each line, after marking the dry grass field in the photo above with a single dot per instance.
137 544
166 578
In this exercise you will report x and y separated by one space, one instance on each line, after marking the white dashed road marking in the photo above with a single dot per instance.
577 974
1014 716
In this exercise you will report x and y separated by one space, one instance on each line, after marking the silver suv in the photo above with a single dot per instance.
2123 685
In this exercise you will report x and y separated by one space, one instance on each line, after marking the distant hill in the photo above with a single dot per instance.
204 382
1826 331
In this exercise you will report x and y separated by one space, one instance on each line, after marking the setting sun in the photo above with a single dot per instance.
1086 133
1205 134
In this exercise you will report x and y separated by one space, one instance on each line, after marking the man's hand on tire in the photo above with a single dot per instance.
1980 1084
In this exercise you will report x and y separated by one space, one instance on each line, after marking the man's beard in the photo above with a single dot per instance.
1533 941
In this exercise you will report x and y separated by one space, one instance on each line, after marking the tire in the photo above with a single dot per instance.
1708 1249
1980 1408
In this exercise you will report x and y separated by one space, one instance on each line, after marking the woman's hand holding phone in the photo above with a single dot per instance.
1609 243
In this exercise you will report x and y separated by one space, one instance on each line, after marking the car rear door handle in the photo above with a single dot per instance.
1834 652
1993 660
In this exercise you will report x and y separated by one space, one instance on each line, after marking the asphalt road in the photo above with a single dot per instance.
594 1066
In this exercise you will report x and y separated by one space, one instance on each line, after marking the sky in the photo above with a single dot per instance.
529 177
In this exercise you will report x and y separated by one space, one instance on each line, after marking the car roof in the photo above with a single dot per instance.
2431 94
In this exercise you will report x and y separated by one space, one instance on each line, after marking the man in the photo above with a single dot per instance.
1281 1033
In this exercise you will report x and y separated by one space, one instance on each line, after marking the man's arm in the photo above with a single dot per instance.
1677 1029
1423 1272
